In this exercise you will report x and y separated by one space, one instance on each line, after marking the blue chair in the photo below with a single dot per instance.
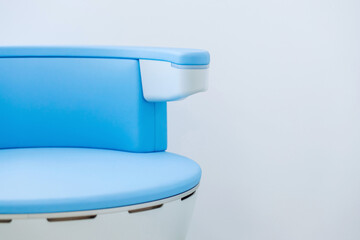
83 138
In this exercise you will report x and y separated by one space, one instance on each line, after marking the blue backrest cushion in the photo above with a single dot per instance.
77 102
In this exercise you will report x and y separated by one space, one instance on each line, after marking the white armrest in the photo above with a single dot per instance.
164 81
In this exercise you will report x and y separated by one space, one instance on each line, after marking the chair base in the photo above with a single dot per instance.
161 220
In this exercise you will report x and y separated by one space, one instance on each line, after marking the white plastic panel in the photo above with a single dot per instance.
163 81
170 221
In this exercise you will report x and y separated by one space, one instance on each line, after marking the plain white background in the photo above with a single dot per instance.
278 132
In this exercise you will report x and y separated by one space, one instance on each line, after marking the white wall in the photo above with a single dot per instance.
278 133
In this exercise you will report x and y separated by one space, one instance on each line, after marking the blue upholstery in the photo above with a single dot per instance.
46 180
179 56
77 134
78 102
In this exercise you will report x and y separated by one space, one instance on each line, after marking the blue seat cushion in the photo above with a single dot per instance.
49 180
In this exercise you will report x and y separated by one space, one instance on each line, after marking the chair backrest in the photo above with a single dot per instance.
77 102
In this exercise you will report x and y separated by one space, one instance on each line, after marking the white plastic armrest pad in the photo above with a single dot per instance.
163 82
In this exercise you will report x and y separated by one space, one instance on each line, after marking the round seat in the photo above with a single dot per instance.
50 180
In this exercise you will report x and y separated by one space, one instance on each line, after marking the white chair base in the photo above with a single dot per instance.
166 219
